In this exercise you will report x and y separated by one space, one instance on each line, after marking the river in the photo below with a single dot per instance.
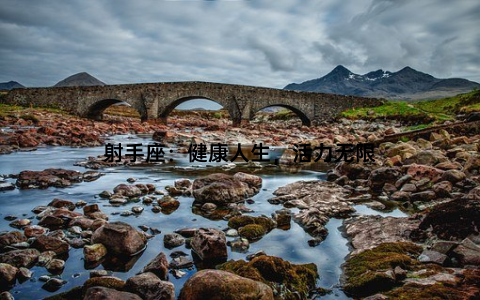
290 245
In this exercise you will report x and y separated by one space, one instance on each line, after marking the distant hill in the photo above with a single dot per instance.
406 84
6 86
193 109
80 79
272 109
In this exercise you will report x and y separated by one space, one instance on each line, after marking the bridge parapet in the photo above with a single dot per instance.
157 100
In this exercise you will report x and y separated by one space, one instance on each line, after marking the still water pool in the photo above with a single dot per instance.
289 244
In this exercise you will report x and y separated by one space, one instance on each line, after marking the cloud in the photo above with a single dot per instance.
245 42
276 55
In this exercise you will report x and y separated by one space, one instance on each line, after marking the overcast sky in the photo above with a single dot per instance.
263 43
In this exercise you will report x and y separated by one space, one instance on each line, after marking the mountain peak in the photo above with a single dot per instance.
79 79
6 86
340 71
408 69
407 83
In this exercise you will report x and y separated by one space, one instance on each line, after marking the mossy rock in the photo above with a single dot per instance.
281 275
169 206
252 232
367 272
106 281
74 293
241 221
436 291
216 214
30 117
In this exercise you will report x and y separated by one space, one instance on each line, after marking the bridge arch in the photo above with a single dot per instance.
96 109
303 117
232 108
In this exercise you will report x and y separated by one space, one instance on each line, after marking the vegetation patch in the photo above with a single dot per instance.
16 111
453 220
30 117
435 291
371 271
252 232
283 115
421 114
285 278
453 105
389 110
241 221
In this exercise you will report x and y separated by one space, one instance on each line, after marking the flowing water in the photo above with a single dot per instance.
289 244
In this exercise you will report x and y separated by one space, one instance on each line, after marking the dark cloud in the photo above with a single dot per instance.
247 42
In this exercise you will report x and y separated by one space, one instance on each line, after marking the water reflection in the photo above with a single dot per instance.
289 244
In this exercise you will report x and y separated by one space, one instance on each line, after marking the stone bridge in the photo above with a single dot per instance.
157 100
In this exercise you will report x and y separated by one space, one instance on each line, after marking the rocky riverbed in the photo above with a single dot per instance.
405 224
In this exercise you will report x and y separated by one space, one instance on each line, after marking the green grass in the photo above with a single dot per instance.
452 105
421 114
283 114
20 111
419 127
387 110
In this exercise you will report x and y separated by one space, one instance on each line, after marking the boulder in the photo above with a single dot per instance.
55 266
183 184
453 176
371 271
472 165
103 293
61 203
104 281
150 287
442 189
120 238
424 196
468 253
94 253
352 170
427 157
8 274
221 188
50 243
453 220
474 193
210 244
318 201
172 240
158 266
418 172
127 190
49 177
221 285
367 232
12 237
20 258
284 277
404 150
34 231
431 256
379 177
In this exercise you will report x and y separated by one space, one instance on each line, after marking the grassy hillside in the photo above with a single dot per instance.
419 114
453 105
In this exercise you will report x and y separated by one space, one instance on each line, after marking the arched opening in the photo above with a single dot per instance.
112 109
197 111
282 114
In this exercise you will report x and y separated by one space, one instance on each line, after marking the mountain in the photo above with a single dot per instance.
406 84
6 86
80 79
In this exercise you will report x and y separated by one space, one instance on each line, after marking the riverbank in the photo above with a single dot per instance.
411 217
